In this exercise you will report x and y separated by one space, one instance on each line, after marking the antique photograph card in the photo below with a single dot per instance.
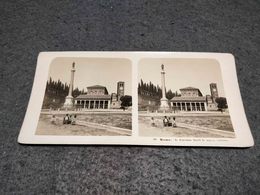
136 98
87 97
188 92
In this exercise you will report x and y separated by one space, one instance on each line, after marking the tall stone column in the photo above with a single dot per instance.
164 102
69 99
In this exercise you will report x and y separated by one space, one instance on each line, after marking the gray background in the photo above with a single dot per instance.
28 27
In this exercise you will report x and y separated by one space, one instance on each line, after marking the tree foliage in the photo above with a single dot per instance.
56 92
170 94
126 101
222 102
149 89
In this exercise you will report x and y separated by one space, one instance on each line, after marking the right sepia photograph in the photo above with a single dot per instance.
182 98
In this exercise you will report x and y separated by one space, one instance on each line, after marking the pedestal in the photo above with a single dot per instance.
164 105
68 102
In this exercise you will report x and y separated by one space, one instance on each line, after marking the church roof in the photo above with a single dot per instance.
96 86
189 88
189 99
93 97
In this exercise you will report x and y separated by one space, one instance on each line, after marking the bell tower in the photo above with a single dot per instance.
120 89
213 91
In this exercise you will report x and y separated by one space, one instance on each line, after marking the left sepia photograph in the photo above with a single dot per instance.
87 97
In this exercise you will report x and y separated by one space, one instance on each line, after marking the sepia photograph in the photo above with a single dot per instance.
182 98
87 97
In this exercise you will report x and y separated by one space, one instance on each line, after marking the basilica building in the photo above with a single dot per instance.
191 99
97 97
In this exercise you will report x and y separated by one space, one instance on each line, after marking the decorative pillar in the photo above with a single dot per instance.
103 104
181 105
185 106
69 99
205 105
164 102
200 107
108 104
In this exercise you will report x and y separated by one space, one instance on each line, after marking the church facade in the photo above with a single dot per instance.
97 97
191 99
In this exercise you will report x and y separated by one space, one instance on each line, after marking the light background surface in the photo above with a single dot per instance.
34 26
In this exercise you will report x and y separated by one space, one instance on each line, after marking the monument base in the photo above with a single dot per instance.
164 105
68 102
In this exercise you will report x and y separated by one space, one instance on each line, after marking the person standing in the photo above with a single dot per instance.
53 120
66 119
173 122
165 121
73 119
170 122
152 122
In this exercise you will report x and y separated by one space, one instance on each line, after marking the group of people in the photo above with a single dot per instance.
69 119
167 122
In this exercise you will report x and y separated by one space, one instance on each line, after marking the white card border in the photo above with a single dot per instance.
227 63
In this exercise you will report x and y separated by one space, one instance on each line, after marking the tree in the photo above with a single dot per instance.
76 92
126 101
170 95
142 85
177 94
56 92
222 103
139 88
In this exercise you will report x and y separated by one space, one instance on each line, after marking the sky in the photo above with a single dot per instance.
180 73
93 71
